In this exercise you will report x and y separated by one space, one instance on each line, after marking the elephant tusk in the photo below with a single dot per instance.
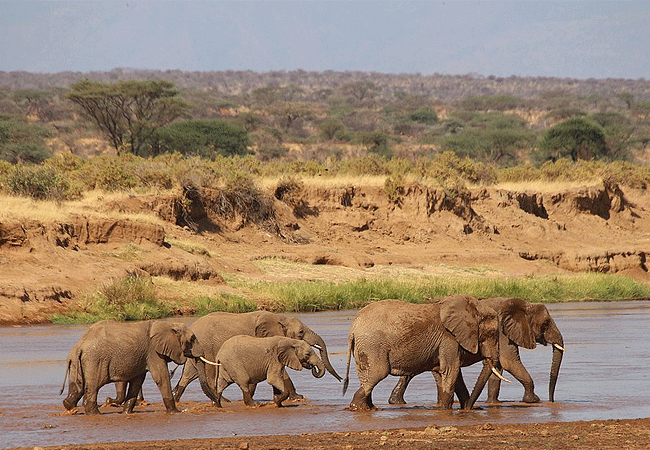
501 377
207 361
317 347
559 347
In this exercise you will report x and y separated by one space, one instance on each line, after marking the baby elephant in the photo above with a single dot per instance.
248 360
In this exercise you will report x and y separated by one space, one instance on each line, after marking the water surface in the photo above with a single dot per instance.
604 375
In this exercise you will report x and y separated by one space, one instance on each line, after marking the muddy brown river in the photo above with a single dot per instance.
604 375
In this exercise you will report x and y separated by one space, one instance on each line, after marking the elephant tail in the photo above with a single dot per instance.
73 366
65 376
346 381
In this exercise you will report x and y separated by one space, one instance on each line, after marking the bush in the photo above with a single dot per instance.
205 138
575 138
40 183
425 115
22 142
129 298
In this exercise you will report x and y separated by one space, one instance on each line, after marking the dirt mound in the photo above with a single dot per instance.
513 232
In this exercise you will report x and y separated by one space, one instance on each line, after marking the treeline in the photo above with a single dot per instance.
321 116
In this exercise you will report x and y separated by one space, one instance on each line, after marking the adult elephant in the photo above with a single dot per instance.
546 332
213 329
543 329
112 351
392 337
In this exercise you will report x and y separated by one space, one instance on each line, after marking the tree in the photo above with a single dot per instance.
577 138
128 112
205 138
20 141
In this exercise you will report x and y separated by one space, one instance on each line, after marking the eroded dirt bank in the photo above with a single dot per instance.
600 228
609 434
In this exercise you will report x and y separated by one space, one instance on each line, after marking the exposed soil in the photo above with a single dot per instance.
600 228
609 434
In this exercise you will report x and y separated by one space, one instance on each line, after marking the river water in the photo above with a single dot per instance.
604 375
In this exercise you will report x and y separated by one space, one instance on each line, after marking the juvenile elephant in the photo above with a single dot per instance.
247 360
113 351
213 329
515 329
392 337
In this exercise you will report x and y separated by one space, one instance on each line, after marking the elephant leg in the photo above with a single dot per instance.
135 386
120 394
397 395
449 376
189 374
494 387
292 394
246 393
515 367
371 369
160 375
90 399
251 388
281 386
73 397
461 391
438 378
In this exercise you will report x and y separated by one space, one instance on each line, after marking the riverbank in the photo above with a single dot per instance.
607 434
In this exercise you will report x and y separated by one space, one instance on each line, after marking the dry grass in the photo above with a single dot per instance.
91 205
547 186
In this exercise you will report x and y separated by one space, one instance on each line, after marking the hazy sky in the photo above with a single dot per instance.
568 38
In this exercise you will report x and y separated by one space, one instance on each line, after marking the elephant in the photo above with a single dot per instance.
546 332
215 328
392 337
112 351
248 360
516 329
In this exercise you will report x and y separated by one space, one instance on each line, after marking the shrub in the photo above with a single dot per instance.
40 183
205 138
575 138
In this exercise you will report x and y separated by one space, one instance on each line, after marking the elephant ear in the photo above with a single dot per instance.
166 340
539 318
288 355
267 325
459 315
515 322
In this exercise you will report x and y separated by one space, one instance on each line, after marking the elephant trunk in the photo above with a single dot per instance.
483 377
205 384
553 336
317 342
555 370
318 369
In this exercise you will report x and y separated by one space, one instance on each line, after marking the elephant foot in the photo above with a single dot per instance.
111 402
361 402
296 396
396 400
69 404
92 410
493 401
530 398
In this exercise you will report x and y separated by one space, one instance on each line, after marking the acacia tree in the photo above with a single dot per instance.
128 112
577 138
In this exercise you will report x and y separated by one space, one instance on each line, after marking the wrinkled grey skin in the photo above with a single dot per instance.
213 329
247 360
113 351
514 330
543 329
546 332
392 337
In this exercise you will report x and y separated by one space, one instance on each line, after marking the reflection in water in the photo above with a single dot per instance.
605 342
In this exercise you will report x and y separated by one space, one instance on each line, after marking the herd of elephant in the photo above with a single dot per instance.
387 337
